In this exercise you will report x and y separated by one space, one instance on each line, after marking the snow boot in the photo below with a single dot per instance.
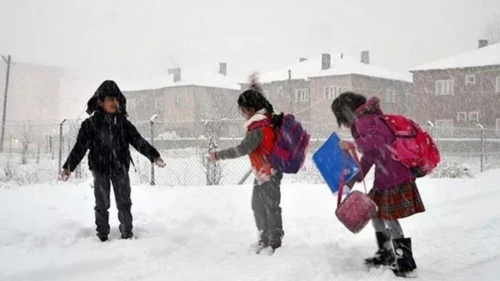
263 238
275 239
127 236
263 242
103 238
385 254
404 257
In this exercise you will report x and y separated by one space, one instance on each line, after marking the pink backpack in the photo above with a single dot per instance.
413 147
358 208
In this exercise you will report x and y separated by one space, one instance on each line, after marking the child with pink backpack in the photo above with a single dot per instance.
395 191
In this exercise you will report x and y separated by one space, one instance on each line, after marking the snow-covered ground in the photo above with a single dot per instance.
204 233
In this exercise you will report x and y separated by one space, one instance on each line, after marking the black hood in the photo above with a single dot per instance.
108 88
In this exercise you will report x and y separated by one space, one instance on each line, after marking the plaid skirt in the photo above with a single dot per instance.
399 202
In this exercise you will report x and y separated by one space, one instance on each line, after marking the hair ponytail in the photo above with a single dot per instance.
254 98
254 83
277 119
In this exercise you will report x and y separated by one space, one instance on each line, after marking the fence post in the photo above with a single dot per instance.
61 143
481 127
432 128
38 151
152 121
51 150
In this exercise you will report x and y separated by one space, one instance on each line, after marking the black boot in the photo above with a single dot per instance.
103 238
275 239
264 238
404 256
263 242
127 236
384 255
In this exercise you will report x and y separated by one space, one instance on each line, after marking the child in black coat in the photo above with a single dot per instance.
107 134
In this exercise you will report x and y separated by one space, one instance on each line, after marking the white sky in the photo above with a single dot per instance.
137 39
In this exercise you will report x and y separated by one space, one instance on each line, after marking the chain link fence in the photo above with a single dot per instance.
34 152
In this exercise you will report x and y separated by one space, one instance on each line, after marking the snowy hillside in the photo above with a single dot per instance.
204 233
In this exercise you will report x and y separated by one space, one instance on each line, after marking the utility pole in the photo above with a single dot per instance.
4 114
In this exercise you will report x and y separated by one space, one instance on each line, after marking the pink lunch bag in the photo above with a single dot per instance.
357 209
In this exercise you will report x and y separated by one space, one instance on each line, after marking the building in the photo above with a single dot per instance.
459 91
33 93
308 86
187 100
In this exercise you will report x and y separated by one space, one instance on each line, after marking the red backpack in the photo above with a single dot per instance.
413 147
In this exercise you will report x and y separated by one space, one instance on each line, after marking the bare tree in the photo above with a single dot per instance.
492 30
213 170
219 109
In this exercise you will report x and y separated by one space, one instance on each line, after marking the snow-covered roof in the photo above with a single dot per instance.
486 56
189 77
341 64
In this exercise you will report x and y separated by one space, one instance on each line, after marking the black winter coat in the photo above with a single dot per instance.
108 138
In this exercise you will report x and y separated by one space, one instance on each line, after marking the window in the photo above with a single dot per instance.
159 104
498 85
474 116
302 95
179 101
390 96
331 92
462 117
131 104
470 79
279 91
444 87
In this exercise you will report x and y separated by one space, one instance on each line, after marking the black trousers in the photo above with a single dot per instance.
121 188
266 199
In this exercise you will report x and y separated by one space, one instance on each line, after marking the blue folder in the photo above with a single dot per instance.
330 161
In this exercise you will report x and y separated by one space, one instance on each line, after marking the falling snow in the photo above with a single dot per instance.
181 67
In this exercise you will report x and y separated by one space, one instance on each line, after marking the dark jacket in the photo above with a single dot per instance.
108 138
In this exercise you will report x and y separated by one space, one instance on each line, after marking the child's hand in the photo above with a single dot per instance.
346 145
65 173
159 162
261 177
211 157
